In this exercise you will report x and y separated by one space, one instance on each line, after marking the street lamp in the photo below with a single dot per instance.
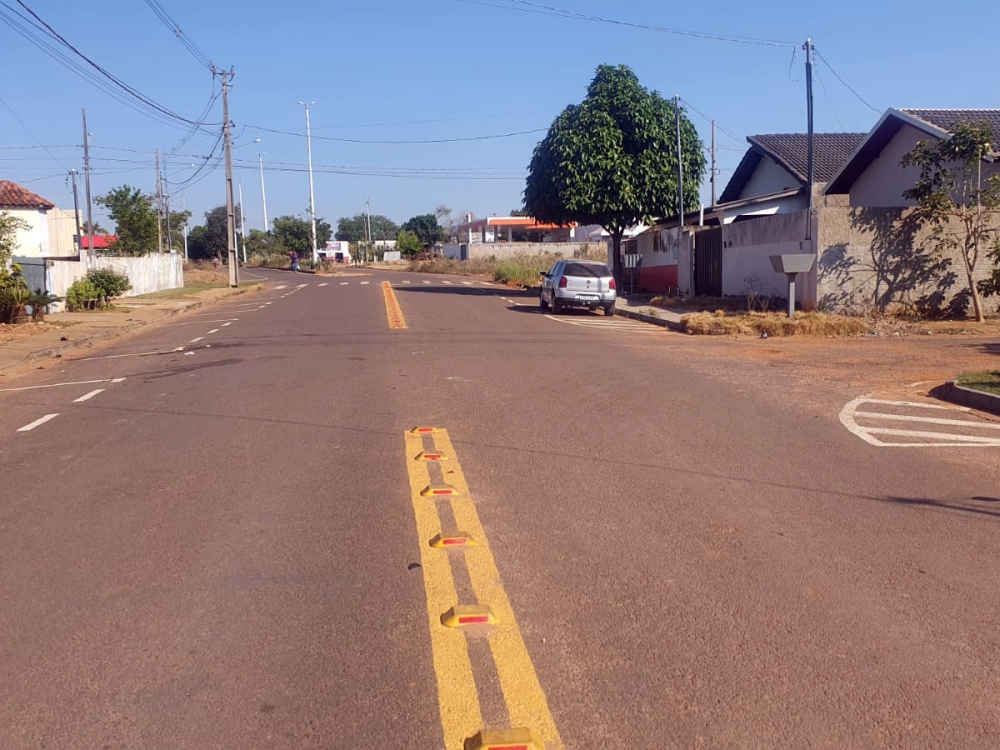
312 200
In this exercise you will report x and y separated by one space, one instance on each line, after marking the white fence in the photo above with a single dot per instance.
149 273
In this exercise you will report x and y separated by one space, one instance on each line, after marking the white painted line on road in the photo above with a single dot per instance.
199 322
196 340
928 420
267 303
300 286
56 385
467 283
425 281
405 281
136 354
88 396
281 286
224 325
325 283
446 282
214 330
38 422
912 403
262 307
364 282
973 439
344 283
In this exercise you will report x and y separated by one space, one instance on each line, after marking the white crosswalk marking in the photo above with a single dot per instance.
364 282
425 281
281 286
610 324
866 417
467 283
344 283
446 282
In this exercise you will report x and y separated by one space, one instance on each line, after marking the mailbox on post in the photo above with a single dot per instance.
792 265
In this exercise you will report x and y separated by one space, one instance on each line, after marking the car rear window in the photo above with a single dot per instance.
593 270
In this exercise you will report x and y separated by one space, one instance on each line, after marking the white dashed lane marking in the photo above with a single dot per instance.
281 286
325 283
196 340
227 324
344 283
38 422
364 282
873 420
214 330
88 396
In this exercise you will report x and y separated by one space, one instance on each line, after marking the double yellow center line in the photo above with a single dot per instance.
461 717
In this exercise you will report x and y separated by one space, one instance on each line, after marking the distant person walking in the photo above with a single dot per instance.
295 261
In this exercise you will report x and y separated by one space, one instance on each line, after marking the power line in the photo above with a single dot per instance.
396 143
829 101
709 119
548 10
176 30
146 101
32 134
846 84
423 122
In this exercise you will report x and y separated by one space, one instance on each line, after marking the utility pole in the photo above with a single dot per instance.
159 206
714 171
263 194
809 108
184 208
312 200
86 178
680 166
166 208
368 226
243 224
234 278
76 212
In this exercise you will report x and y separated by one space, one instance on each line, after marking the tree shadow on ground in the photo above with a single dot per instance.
942 505
893 270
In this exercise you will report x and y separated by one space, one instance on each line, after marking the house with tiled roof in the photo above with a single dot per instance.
50 232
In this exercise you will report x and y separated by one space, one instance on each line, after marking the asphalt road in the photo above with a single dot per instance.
222 547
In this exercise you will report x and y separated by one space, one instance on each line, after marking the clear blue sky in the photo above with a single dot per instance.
392 70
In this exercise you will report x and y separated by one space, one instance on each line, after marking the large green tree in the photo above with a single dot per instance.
352 228
426 227
135 220
408 244
953 197
295 233
612 160
209 241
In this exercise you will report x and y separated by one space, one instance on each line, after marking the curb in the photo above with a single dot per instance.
128 327
662 322
957 394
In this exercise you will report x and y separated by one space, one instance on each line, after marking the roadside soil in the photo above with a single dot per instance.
10 332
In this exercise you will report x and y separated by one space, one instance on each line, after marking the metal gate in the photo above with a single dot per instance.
708 262
34 272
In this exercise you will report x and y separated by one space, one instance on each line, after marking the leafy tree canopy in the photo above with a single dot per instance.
961 205
295 233
209 241
408 243
135 219
612 160
426 228
9 227
352 229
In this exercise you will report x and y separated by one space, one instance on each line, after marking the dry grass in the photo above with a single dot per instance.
9 332
519 270
722 323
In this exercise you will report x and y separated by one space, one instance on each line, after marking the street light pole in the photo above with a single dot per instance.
312 199
263 193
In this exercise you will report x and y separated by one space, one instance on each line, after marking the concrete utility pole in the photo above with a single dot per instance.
159 206
243 224
76 212
263 194
368 226
166 208
680 166
714 170
234 277
86 182
312 199
809 109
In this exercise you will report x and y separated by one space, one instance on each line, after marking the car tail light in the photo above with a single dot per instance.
612 285
562 283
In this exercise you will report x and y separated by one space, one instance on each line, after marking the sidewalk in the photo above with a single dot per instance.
637 307
92 327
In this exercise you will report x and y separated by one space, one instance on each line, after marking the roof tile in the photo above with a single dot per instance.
791 150
13 195
946 119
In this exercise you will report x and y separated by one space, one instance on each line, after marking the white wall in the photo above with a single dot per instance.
769 178
62 230
32 242
149 273
746 250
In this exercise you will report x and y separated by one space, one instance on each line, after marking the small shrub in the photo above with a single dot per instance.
109 284
82 295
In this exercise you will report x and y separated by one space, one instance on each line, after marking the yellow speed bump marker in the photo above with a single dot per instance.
458 539
431 456
438 490
504 739
462 615
393 312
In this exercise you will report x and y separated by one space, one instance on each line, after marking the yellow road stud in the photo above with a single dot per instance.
462 615
504 739
458 539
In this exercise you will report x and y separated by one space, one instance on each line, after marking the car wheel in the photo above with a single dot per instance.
609 310
556 305
541 301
